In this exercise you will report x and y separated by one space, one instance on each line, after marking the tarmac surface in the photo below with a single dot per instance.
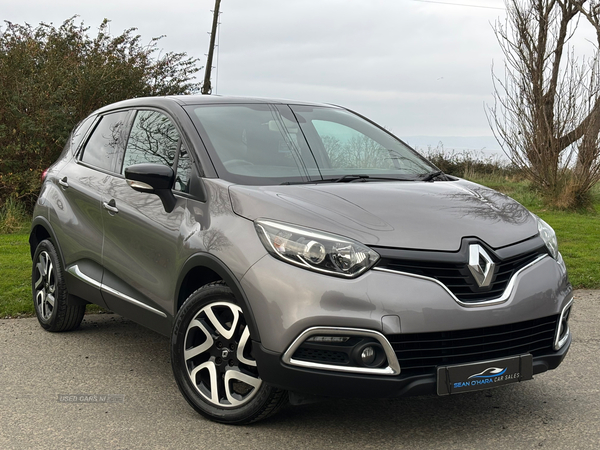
131 401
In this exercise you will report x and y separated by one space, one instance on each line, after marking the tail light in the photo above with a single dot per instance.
44 174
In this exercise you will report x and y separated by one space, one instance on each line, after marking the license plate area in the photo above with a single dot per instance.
469 377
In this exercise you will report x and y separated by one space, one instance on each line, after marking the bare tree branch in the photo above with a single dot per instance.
546 112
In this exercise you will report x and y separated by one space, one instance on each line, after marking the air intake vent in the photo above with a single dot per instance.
422 352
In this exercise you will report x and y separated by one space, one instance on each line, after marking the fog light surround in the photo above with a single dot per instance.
562 330
369 352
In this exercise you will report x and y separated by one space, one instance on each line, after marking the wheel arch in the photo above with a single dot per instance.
203 268
40 230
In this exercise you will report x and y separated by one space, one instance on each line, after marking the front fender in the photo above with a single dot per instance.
211 262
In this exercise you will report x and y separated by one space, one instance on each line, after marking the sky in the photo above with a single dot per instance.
421 69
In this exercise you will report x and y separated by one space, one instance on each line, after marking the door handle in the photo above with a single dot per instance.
111 206
63 182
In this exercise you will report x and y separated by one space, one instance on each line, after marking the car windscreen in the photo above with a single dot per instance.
273 144
347 144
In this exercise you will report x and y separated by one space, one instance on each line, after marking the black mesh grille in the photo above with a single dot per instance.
457 277
422 352
322 356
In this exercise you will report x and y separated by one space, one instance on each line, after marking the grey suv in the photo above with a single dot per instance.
292 251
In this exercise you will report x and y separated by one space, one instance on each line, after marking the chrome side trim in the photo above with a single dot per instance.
77 273
129 299
504 297
393 367
558 344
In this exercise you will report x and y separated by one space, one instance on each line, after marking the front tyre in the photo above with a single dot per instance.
50 295
211 355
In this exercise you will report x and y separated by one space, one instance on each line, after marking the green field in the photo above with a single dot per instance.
578 239
578 233
15 276
15 279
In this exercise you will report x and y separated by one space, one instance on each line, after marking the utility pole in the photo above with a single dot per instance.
206 87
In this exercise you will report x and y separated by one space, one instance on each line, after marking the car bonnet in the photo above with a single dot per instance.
403 214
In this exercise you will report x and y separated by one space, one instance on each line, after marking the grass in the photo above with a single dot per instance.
15 275
13 217
578 233
578 240
15 280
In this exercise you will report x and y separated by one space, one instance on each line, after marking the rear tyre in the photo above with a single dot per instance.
50 295
211 355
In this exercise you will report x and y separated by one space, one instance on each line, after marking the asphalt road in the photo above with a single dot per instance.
110 356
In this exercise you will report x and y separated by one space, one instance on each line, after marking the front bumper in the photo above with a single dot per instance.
335 384
287 300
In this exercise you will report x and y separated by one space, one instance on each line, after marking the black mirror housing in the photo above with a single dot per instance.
153 179
156 175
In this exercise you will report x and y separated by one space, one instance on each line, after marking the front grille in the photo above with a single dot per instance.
420 353
452 270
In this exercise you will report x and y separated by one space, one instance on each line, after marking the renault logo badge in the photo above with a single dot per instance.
481 265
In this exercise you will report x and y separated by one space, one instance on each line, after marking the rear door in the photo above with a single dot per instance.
77 217
141 240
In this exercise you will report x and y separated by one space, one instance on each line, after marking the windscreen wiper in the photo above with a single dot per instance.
349 179
354 178
432 175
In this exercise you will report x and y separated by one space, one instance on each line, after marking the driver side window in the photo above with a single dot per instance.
154 138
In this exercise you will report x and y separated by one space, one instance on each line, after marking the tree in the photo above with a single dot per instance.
53 77
546 113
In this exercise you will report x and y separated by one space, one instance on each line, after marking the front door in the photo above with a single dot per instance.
142 240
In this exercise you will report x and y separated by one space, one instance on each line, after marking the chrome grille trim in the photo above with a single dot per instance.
503 298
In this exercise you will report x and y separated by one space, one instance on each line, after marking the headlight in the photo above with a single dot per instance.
549 237
315 250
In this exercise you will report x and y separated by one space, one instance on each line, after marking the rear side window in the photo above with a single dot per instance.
103 147
80 132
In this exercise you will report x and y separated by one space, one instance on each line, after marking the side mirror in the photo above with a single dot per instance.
153 179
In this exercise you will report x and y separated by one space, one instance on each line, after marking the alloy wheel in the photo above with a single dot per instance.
217 356
45 286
